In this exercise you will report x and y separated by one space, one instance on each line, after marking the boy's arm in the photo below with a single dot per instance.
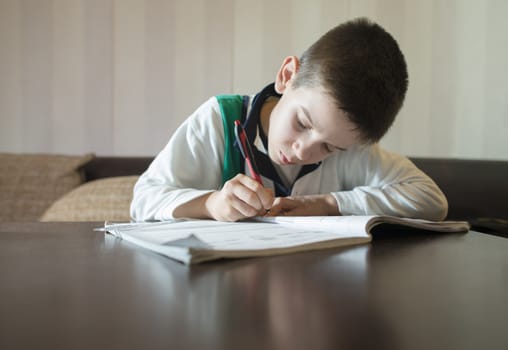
379 182
371 181
185 179
309 205
189 167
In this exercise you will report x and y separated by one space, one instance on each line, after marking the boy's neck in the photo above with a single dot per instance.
266 111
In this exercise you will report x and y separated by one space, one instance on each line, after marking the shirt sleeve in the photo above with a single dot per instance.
188 167
378 182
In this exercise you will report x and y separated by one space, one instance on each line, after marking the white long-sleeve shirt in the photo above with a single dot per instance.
365 180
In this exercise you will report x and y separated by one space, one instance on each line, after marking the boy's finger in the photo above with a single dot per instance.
244 209
265 195
248 197
274 211
249 182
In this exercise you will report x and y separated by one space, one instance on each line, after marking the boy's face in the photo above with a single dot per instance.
306 126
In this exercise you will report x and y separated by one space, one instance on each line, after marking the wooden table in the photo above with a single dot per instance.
65 286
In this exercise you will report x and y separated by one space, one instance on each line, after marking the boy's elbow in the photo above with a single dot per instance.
142 208
436 208
134 212
444 209
139 210
439 212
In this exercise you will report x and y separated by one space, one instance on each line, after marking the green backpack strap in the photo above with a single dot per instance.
231 108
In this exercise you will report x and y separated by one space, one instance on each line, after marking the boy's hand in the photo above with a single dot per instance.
240 198
312 205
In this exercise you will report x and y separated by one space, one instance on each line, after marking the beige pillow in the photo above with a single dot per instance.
30 183
105 199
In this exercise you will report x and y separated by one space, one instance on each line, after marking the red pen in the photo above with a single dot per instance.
246 150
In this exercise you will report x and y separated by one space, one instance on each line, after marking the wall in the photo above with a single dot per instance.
116 77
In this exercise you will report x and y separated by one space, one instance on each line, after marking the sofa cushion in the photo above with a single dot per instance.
99 200
30 183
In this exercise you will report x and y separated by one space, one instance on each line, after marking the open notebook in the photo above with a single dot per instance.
195 241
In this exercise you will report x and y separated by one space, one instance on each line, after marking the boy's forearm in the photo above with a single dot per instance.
331 204
196 208
308 205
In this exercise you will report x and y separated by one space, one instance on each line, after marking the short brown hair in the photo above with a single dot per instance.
361 66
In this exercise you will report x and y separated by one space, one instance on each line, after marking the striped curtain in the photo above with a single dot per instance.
117 77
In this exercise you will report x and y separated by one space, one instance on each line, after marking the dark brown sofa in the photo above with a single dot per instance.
50 187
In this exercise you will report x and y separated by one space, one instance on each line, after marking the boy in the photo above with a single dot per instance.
314 134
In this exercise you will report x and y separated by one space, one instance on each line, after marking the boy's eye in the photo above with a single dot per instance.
300 124
328 148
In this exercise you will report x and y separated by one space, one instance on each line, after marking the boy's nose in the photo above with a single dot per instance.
302 151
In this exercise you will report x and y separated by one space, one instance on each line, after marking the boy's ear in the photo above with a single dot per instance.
286 73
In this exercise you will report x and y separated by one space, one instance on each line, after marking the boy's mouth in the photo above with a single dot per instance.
284 160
